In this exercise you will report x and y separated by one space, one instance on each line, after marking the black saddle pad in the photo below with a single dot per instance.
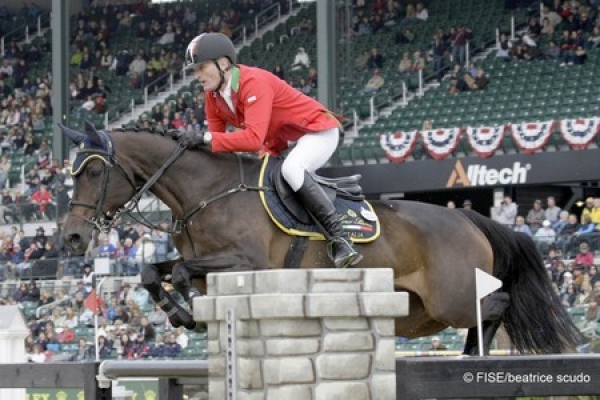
358 217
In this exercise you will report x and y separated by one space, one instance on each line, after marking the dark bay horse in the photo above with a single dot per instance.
433 250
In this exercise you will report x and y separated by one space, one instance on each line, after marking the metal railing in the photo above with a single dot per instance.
25 31
240 36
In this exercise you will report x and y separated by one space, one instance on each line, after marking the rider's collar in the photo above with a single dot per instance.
234 81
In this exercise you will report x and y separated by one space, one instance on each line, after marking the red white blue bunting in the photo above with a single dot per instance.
533 136
579 133
398 146
485 140
440 143
529 138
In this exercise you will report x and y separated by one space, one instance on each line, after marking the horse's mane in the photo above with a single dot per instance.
167 133
153 129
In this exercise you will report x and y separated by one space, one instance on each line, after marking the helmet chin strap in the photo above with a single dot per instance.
222 74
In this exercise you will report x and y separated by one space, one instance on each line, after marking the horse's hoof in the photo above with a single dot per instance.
182 319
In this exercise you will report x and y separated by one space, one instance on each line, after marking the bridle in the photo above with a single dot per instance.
103 220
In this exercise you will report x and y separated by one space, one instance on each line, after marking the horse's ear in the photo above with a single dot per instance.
93 134
72 134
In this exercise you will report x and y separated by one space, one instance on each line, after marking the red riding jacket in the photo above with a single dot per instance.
268 112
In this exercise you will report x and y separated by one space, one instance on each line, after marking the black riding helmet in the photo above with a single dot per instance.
211 47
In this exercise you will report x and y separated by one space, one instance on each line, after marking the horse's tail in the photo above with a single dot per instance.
535 320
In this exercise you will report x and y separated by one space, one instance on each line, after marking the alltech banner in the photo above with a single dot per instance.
473 172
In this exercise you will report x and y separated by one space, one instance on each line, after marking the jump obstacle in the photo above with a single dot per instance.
316 334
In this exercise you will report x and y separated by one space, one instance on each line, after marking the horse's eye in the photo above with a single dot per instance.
92 173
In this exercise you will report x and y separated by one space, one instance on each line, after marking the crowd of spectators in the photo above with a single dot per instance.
130 327
564 30
568 242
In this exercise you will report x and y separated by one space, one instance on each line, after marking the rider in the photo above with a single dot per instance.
270 115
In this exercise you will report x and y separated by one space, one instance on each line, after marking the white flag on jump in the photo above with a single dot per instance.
485 283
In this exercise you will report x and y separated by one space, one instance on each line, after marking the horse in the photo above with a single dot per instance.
221 225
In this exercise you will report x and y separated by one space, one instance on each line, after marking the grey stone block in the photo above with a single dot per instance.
333 275
234 283
241 395
384 355
249 373
378 280
216 367
211 284
250 348
204 308
212 330
287 347
245 328
349 341
281 281
288 370
213 347
383 386
290 327
343 391
332 305
384 327
291 392
344 366
336 287
237 303
393 304
263 306
346 324
216 388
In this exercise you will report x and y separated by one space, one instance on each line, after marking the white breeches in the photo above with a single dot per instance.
310 153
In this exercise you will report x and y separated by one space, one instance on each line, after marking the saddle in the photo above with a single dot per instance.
288 213
346 187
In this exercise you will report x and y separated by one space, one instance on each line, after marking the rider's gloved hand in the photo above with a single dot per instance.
192 140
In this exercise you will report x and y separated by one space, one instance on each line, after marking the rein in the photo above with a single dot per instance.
181 223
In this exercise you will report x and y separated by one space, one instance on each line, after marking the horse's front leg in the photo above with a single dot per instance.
183 273
181 278
152 281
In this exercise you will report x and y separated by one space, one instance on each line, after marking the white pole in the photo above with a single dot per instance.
355 117
404 93
2 46
479 328
467 51
497 38
132 106
420 82
372 109
39 26
512 27
146 95
98 286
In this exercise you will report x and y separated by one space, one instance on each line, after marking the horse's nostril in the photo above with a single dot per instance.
74 239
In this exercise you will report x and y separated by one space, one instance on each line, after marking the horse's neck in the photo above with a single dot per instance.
196 175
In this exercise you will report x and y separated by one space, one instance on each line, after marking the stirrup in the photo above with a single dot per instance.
352 258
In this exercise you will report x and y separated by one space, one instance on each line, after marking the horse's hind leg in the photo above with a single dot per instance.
491 314
178 316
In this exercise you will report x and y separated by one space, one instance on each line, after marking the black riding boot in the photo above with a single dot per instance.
343 253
